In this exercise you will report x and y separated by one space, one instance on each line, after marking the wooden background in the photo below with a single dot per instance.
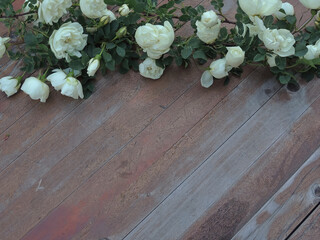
165 159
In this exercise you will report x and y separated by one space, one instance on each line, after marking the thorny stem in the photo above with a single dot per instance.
304 25
226 20
18 15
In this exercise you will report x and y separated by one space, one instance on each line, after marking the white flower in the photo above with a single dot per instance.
219 69
272 60
206 79
124 10
72 88
50 11
93 67
235 56
312 4
260 7
9 85
209 18
287 8
208 34
36 89
68 41
279 41
95 9
155 39
149 69
313 51
57 79
3 41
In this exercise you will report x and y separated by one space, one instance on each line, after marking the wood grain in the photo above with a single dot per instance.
225 166
289 206
310 229
127 179
261 181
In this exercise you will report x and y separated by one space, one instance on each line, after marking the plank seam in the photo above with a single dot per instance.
204 160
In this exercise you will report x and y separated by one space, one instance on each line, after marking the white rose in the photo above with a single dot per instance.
260 7
206 79
279 41
219 69
155 39
68 41
9 85
209 18
93 67
313 52
235 56
149 69
95 9
72 88
50 11
124 10
272 60
287 8
35 89
57 79
3 48
206 34
312 4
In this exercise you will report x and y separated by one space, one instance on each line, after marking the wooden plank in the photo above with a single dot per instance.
150 161
22 138
260 183
289 206
225 166
310 229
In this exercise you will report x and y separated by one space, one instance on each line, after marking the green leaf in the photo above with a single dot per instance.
121 51
281 62
111 65
106 56
259 57
284 79
186 52
301 50
199 55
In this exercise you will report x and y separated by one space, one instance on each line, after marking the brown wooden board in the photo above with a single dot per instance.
310 228
262 180
285 210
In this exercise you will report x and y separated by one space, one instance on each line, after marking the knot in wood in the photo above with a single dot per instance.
316 190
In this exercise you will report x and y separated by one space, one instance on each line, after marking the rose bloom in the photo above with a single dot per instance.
149 69
208 34
3 41
260 7
50 11
312 4
124 10
68 41
209 18
279 41
93 67
287 8
206 79
219 68
95 9
9 85
36 89
313 51
155 39
235 56
57 79
72 88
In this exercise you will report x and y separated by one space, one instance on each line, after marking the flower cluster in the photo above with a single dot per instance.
68 41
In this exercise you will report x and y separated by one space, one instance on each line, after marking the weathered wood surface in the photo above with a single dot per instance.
310 229
286 209
163 159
